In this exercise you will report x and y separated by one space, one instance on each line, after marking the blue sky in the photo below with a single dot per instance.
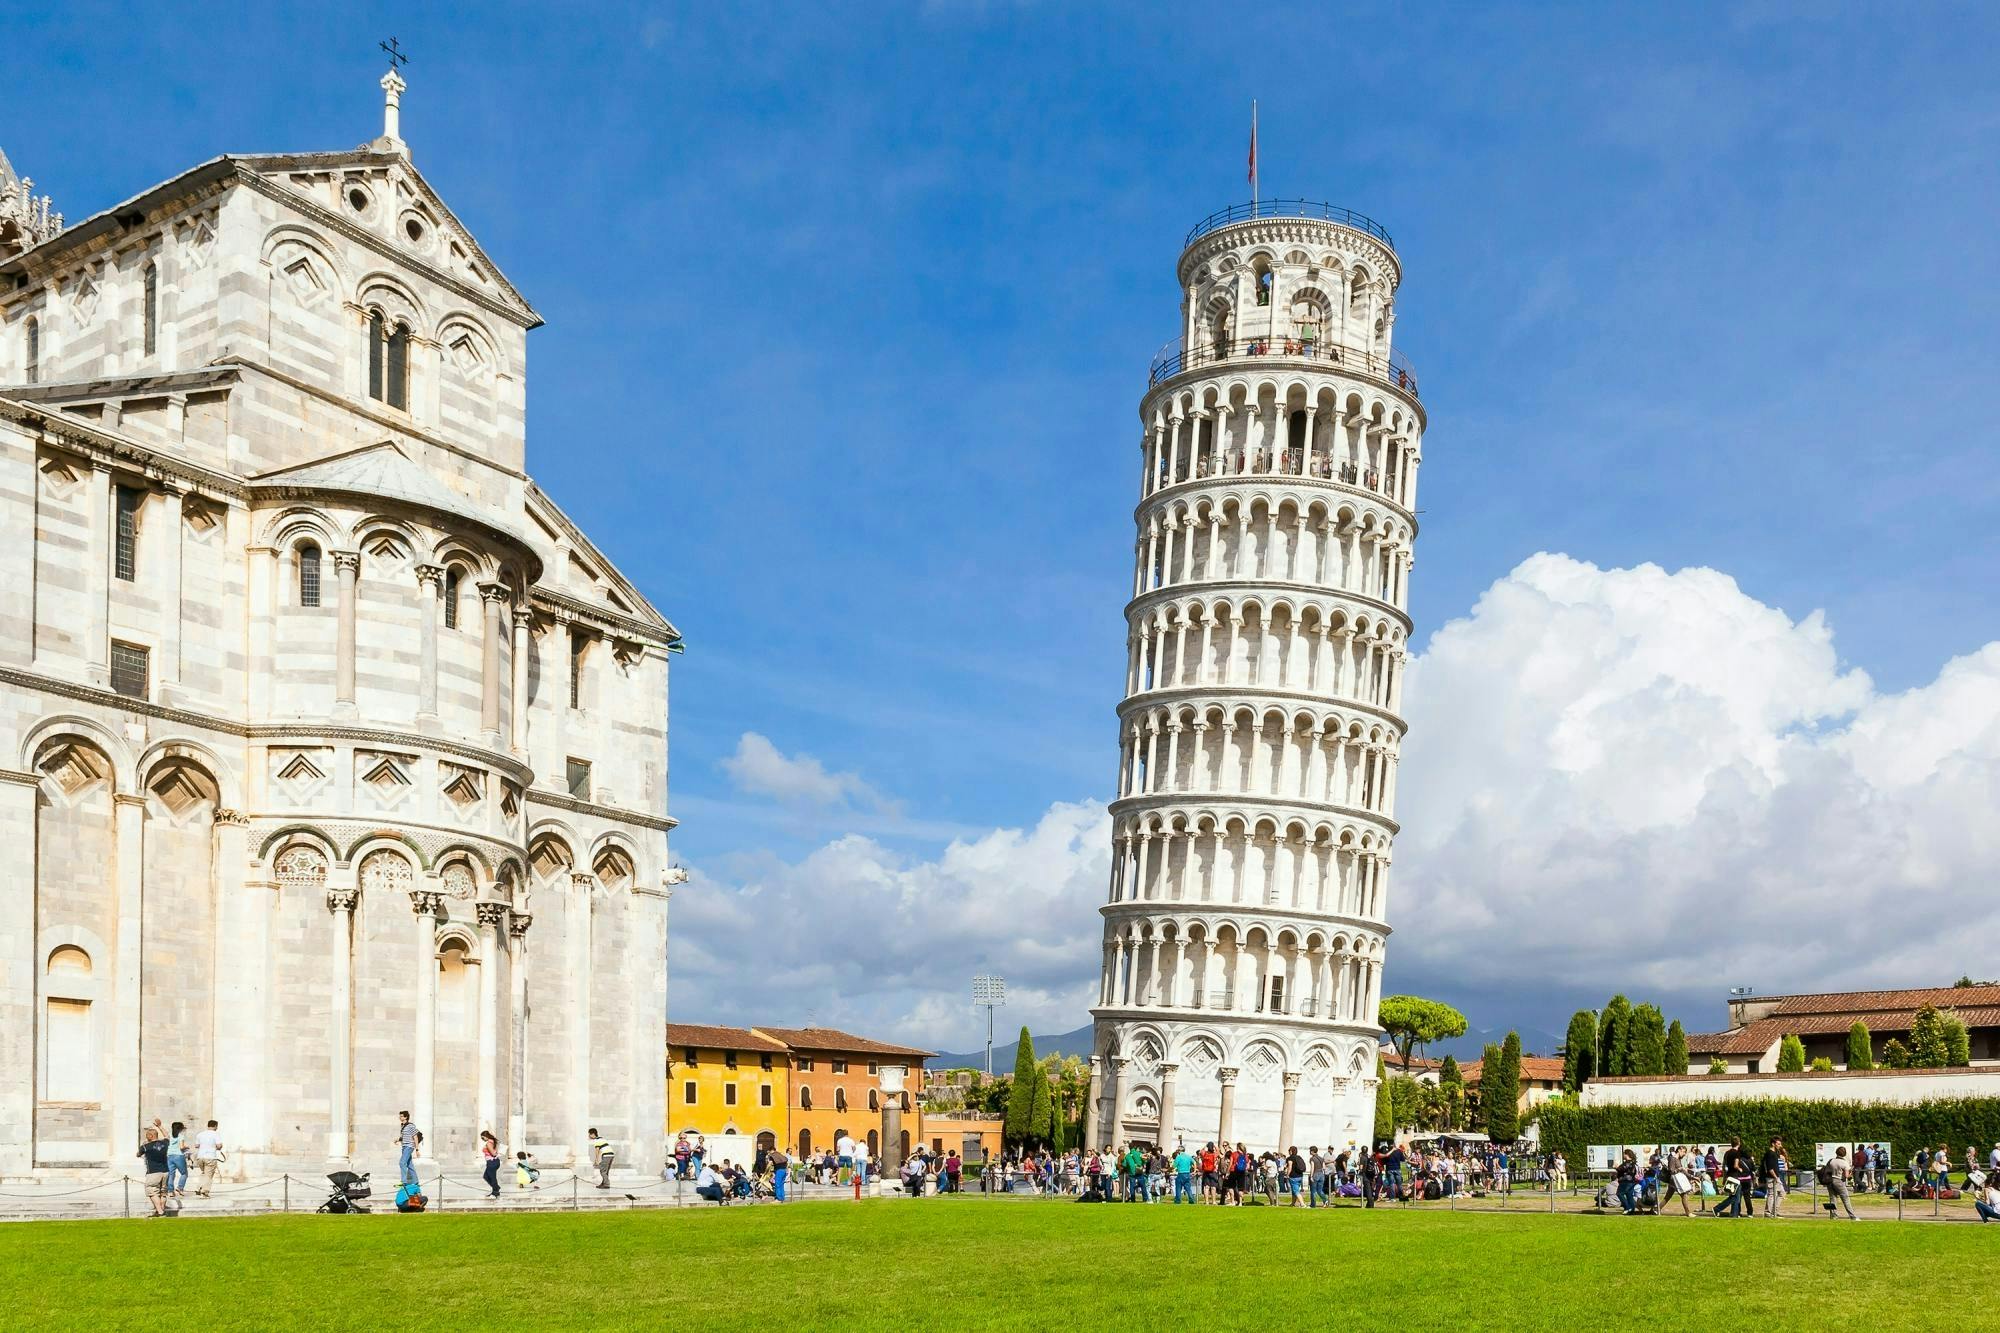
849 309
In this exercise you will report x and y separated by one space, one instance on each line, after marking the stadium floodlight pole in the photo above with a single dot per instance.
989 993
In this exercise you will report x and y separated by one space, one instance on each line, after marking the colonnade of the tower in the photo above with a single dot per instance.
1254 821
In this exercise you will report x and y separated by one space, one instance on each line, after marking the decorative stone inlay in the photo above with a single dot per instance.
457 880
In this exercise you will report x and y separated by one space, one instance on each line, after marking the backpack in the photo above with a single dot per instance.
1825 1174
410 1200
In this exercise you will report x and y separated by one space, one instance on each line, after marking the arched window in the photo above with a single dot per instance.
308 574
151 308
452 580
376 338
388 360
399 367
874 1100
34 350
805 1098
840 1099
69 1046
1263 283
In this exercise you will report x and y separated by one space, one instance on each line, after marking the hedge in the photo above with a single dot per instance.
1955 1121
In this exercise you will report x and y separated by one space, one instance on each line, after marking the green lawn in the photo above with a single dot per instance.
979 1263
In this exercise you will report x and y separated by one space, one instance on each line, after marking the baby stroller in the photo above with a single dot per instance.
348 1190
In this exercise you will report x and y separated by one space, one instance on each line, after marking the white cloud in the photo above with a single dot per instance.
1650 781
857 936
761 769
1615 780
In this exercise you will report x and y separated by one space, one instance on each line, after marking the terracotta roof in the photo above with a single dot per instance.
1861 1002
1760 1036
719 1039
833 1039
1534 1069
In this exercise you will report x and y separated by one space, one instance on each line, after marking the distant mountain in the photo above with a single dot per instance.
1063 1043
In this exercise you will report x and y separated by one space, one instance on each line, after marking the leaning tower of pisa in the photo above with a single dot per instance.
1255 814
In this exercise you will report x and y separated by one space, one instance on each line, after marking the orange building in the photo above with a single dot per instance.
836 1087
730 1085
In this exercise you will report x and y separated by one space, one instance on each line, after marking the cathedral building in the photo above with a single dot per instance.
333 755
1261 728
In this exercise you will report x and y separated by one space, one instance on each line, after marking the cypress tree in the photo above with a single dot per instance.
1677 1049
1958 1041
1501 1092
1860 1047
1042 1115
1451 1082
1020 1125
1580 1050
1791 1055
1614 1037
1385 1112
1649 1041
1930 1048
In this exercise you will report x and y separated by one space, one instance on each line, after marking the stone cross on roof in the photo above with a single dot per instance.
392 99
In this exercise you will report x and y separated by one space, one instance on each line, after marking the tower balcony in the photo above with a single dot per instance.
1303 352
1310 209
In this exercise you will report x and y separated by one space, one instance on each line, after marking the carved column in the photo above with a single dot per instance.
430 583
517 994
339 1133
347 567
522 617
1092 1115
494 598
1288 1113
128 988
239 959
493 958
1166 1138
1228 1077
425 906
576 942
1119 1064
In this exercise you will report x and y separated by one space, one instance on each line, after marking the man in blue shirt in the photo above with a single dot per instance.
1183 1175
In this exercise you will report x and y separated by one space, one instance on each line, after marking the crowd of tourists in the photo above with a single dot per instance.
1732 1181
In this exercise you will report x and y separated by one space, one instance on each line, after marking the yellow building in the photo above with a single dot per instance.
730 1085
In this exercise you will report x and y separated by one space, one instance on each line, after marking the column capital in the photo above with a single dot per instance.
1168 1071
426 902
518 924
1227 1075
494 592
231 819
342 900
129 799
346 561
524 618
582 879
1291 1082
429 576
491 914
1121 1061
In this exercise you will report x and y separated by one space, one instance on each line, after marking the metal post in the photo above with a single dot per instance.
128 1196
286 1197
572 1191
440 1198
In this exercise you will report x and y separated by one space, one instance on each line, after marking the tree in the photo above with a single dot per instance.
1957 1040
1930 1048
1791 1055
1895 1055
1860 1048
1717 1065
1414 1022
1477 1098
1451 1084
1580 1050
1614 1037
1649 1041
1385 1112
1677 1049
1042 1115
1021 1124
1501 1089
1822 1064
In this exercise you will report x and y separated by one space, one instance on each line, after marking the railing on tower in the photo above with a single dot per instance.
1391 369
1289 208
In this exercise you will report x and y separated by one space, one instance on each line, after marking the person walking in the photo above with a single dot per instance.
177 1161
601 1158
1836 1183
1371 1176
489 1155
1674 1182
1628 1183
1316 1175
407 1139
1558 1173
1772 1170
207 1158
